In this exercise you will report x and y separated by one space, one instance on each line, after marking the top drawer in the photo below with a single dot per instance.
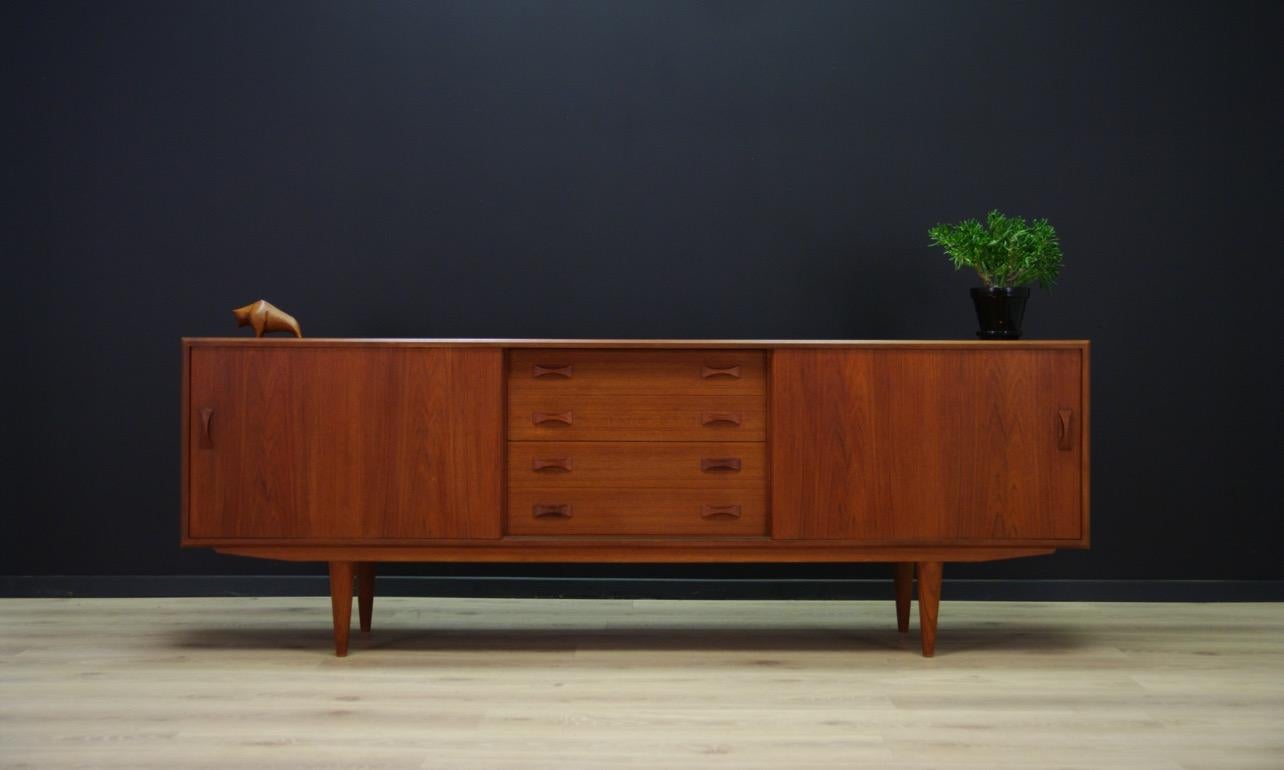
695 372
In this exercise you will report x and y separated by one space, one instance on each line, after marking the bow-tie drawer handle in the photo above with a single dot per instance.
552 464
719 464
707 371
719 511
553 511
540 418
553 370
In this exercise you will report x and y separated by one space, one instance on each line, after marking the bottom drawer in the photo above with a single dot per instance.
637 512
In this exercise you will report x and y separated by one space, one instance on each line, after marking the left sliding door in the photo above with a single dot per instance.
353 442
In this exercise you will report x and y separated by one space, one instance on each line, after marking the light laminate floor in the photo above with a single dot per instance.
496 683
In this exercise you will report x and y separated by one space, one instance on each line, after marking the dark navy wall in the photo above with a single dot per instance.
631 169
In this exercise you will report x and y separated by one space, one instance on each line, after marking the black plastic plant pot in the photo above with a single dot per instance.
999 311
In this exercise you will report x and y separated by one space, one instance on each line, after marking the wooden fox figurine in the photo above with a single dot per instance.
266 317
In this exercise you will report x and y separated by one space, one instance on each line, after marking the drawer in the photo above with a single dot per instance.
553 465
635 417
693 372
636 512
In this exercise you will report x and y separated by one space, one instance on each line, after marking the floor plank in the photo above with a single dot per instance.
494 683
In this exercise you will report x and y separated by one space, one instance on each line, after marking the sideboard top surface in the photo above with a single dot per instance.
629 343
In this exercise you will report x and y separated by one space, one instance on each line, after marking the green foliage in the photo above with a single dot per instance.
1005 252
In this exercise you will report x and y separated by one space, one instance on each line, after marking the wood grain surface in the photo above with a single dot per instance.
519 343
158 684
341 574
363 443
637 417
660 512
926 445
668 372
630 465
635 550
928 583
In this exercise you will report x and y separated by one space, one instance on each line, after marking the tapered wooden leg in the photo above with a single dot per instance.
365 592
904 593
929 602
341 603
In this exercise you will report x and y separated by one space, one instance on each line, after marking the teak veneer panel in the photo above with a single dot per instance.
353 443
636 464
667 550
507 343
926 445
693 372
661 512
636 417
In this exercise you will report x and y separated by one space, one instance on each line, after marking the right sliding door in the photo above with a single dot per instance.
929 444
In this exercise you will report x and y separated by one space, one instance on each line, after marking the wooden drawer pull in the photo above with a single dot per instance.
719 464
720 371
554 511
711 418
1063 429
552 464
539 418
553 370
719 511
206 415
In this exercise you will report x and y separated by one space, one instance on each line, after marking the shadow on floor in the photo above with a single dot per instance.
1011 638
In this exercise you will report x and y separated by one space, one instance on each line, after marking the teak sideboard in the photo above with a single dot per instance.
914 453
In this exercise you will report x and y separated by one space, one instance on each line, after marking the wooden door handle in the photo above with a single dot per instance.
719 464
206 415
552 464
1064 438
719 511
539 418
711 418
720 371
553 370
551 511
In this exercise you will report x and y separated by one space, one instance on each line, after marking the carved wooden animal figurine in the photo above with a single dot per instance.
266 317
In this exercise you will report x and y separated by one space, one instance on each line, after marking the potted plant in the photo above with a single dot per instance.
1005 252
